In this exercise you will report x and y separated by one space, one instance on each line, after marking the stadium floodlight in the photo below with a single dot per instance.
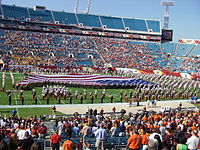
166 13
167 3
88 8
76 6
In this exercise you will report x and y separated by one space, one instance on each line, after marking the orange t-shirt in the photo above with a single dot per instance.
145 139
134 141
193 127
68 145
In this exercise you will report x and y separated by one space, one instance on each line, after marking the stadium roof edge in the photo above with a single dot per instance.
87 14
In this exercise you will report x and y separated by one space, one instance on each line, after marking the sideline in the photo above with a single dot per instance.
96 104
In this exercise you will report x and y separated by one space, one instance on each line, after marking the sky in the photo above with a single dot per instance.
184 16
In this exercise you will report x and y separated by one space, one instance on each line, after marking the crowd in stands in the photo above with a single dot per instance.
143 130
62 50
192 64
19 134
48 49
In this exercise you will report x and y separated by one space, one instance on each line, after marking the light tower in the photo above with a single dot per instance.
76 6
166 13
88 8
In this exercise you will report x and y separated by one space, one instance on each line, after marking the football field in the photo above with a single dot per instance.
28 101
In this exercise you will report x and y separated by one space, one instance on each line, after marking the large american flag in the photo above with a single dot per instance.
83 79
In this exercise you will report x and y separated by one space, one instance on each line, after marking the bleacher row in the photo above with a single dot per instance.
111 142
95 21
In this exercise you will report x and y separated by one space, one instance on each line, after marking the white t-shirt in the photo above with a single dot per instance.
192 142
21 134
153 134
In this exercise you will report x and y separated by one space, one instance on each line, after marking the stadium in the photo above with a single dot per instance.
74 74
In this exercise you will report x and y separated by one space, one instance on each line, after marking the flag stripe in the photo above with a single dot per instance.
83 79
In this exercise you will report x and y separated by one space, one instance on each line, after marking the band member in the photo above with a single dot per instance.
130 93
85 94
121 93
111 97
138 101
121 97
65 95
34 94
9 93
36 100
70 99
102 98
95 94
125 93
92 98
76 95
21 96
81 98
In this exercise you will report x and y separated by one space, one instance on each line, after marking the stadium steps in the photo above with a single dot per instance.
191 50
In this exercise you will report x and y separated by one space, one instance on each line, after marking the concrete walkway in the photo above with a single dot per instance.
82 108
69 109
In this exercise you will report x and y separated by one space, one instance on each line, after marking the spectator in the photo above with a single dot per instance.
193 141
55 141
3 145
42 130
157 137
145 139
100 135
153 144
35 146
85 130
68 145
76 129
21 133
27 142
13 142
82 145
168 139
134 141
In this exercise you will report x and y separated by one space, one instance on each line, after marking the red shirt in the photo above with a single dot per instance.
42 130
55 138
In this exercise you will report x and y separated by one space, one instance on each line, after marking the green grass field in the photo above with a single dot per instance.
41 111
28 94
27 112
24 112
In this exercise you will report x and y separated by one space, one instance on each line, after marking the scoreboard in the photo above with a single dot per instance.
167 35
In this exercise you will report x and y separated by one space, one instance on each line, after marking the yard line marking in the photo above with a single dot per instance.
39 99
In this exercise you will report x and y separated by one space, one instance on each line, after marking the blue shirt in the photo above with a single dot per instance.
76 130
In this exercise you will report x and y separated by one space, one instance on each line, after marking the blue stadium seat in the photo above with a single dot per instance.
168 48
89 20
183 49
112 22
85 63
13 12
195 51
154 25
135 24
65 18
45 15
